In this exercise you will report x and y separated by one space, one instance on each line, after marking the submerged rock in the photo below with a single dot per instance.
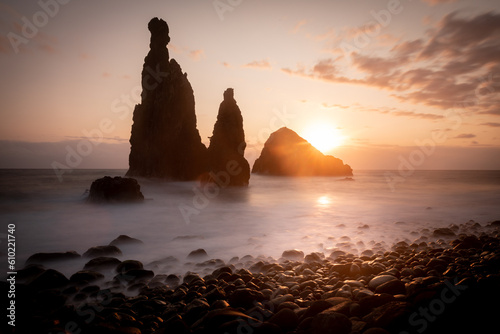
165 142
50 257
114 190
286 153
227 164
100 251
125 240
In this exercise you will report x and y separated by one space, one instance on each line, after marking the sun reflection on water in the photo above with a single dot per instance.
323 201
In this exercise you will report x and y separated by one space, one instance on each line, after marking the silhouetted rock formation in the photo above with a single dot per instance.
286 153
115 189
165 142
227 145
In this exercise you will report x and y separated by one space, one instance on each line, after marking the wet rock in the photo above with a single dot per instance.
313 257
102 262
41 258
227 164
468 242
49 279
29 272
198 254
190 278
125 240
286 319
392 287
165 142
245 298
392 316
315 308
443 232
134 275
293 254
101 251
286 153
379 280
86 276
195 310
328 322
214 320
129 265
115 190
215 294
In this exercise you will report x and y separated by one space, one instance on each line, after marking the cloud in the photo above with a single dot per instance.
491 124
298 26
261 64
196 55
417 115
455 66
465 136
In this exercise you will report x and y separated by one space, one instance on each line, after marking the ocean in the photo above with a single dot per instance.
272 215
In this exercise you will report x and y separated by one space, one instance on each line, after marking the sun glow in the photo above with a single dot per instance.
323 136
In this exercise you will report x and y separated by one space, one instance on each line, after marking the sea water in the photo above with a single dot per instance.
272 215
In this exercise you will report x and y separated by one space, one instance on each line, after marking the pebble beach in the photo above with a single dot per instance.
447 282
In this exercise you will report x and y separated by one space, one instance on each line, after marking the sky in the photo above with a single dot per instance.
390 84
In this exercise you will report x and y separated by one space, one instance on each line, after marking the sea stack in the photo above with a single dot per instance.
285 153
165 142
227 144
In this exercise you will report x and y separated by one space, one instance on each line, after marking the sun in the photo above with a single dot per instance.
323 136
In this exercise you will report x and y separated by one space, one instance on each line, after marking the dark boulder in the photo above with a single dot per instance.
245 298
86 276
331 322
129 265
228 166
198 254
115 190
165 142
293 254
102 262
51 257
125 240
286 153
49 279
99 251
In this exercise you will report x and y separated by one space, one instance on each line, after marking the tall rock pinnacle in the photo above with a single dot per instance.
227 144
165 142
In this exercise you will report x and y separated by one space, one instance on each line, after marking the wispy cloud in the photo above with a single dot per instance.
297 27
491 124
196 55
465 136
260 64
456 66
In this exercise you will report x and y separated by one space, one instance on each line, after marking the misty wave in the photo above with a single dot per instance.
272 215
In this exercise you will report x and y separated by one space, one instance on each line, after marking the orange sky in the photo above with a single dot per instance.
387 76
